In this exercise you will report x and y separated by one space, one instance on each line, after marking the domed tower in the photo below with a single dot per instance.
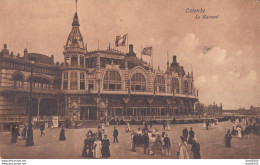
74 72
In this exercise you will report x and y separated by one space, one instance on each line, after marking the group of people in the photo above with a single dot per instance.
18 131
188 137
153 142
96 145
242 129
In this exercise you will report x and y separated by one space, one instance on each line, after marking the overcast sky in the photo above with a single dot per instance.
229 73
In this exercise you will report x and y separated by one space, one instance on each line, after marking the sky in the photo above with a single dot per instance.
228 73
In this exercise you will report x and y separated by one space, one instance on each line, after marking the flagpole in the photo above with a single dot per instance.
152 57
141 51
127 43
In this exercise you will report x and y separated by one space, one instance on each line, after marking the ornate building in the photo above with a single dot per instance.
90 85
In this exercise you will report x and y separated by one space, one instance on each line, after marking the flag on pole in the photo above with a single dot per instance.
120 40
147 51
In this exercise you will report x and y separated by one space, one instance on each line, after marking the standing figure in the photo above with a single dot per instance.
239 132
164 124
146 142
24 131
15 134
42 129
62 134
183 153
115 134
228 138
174 121
87 149
167 145
105 147
168 128
191 135
195 149
185 134
151 123
97 148
207 124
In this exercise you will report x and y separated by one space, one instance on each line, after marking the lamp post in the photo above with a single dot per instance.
29 139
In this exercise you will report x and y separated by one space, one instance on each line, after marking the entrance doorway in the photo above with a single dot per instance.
88 113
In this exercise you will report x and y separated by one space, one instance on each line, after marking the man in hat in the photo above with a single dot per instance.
115 134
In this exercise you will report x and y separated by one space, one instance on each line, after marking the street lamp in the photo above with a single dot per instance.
29 139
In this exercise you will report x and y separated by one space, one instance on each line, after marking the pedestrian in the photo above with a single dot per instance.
239 131
183 153
167 145
228 138
105 147
207 124
195 149
24 131
151 123
115 134
168 127
88 147
191 135
185 134
164 124
174 121
97 148
146 142
15 134
52 126
62 134
42 130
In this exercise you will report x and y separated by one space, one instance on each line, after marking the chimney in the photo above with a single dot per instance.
131 49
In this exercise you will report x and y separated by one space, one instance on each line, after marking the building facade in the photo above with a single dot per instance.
91 85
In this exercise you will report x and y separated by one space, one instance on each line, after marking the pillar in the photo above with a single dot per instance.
58 106
38 112
78 58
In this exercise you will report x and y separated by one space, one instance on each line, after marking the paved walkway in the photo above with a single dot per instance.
49 146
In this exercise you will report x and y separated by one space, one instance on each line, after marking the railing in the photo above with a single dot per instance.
12 118
167 117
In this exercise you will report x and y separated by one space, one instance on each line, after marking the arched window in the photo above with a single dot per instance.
112 81
185 89
56 83
40 82
138 82
175 85
159 83
18 80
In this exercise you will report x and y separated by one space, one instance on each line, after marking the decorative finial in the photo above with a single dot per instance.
76 5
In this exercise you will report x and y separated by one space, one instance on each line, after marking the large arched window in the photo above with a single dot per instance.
18 80
138 82
112 81
175 85
159 83
185 89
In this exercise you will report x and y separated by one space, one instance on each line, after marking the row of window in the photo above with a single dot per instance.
112 82
37 69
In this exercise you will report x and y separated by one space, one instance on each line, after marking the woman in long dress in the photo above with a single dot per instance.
183 153
105 147
62 134
239 132
97 148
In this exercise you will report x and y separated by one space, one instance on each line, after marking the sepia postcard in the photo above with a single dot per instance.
129 79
